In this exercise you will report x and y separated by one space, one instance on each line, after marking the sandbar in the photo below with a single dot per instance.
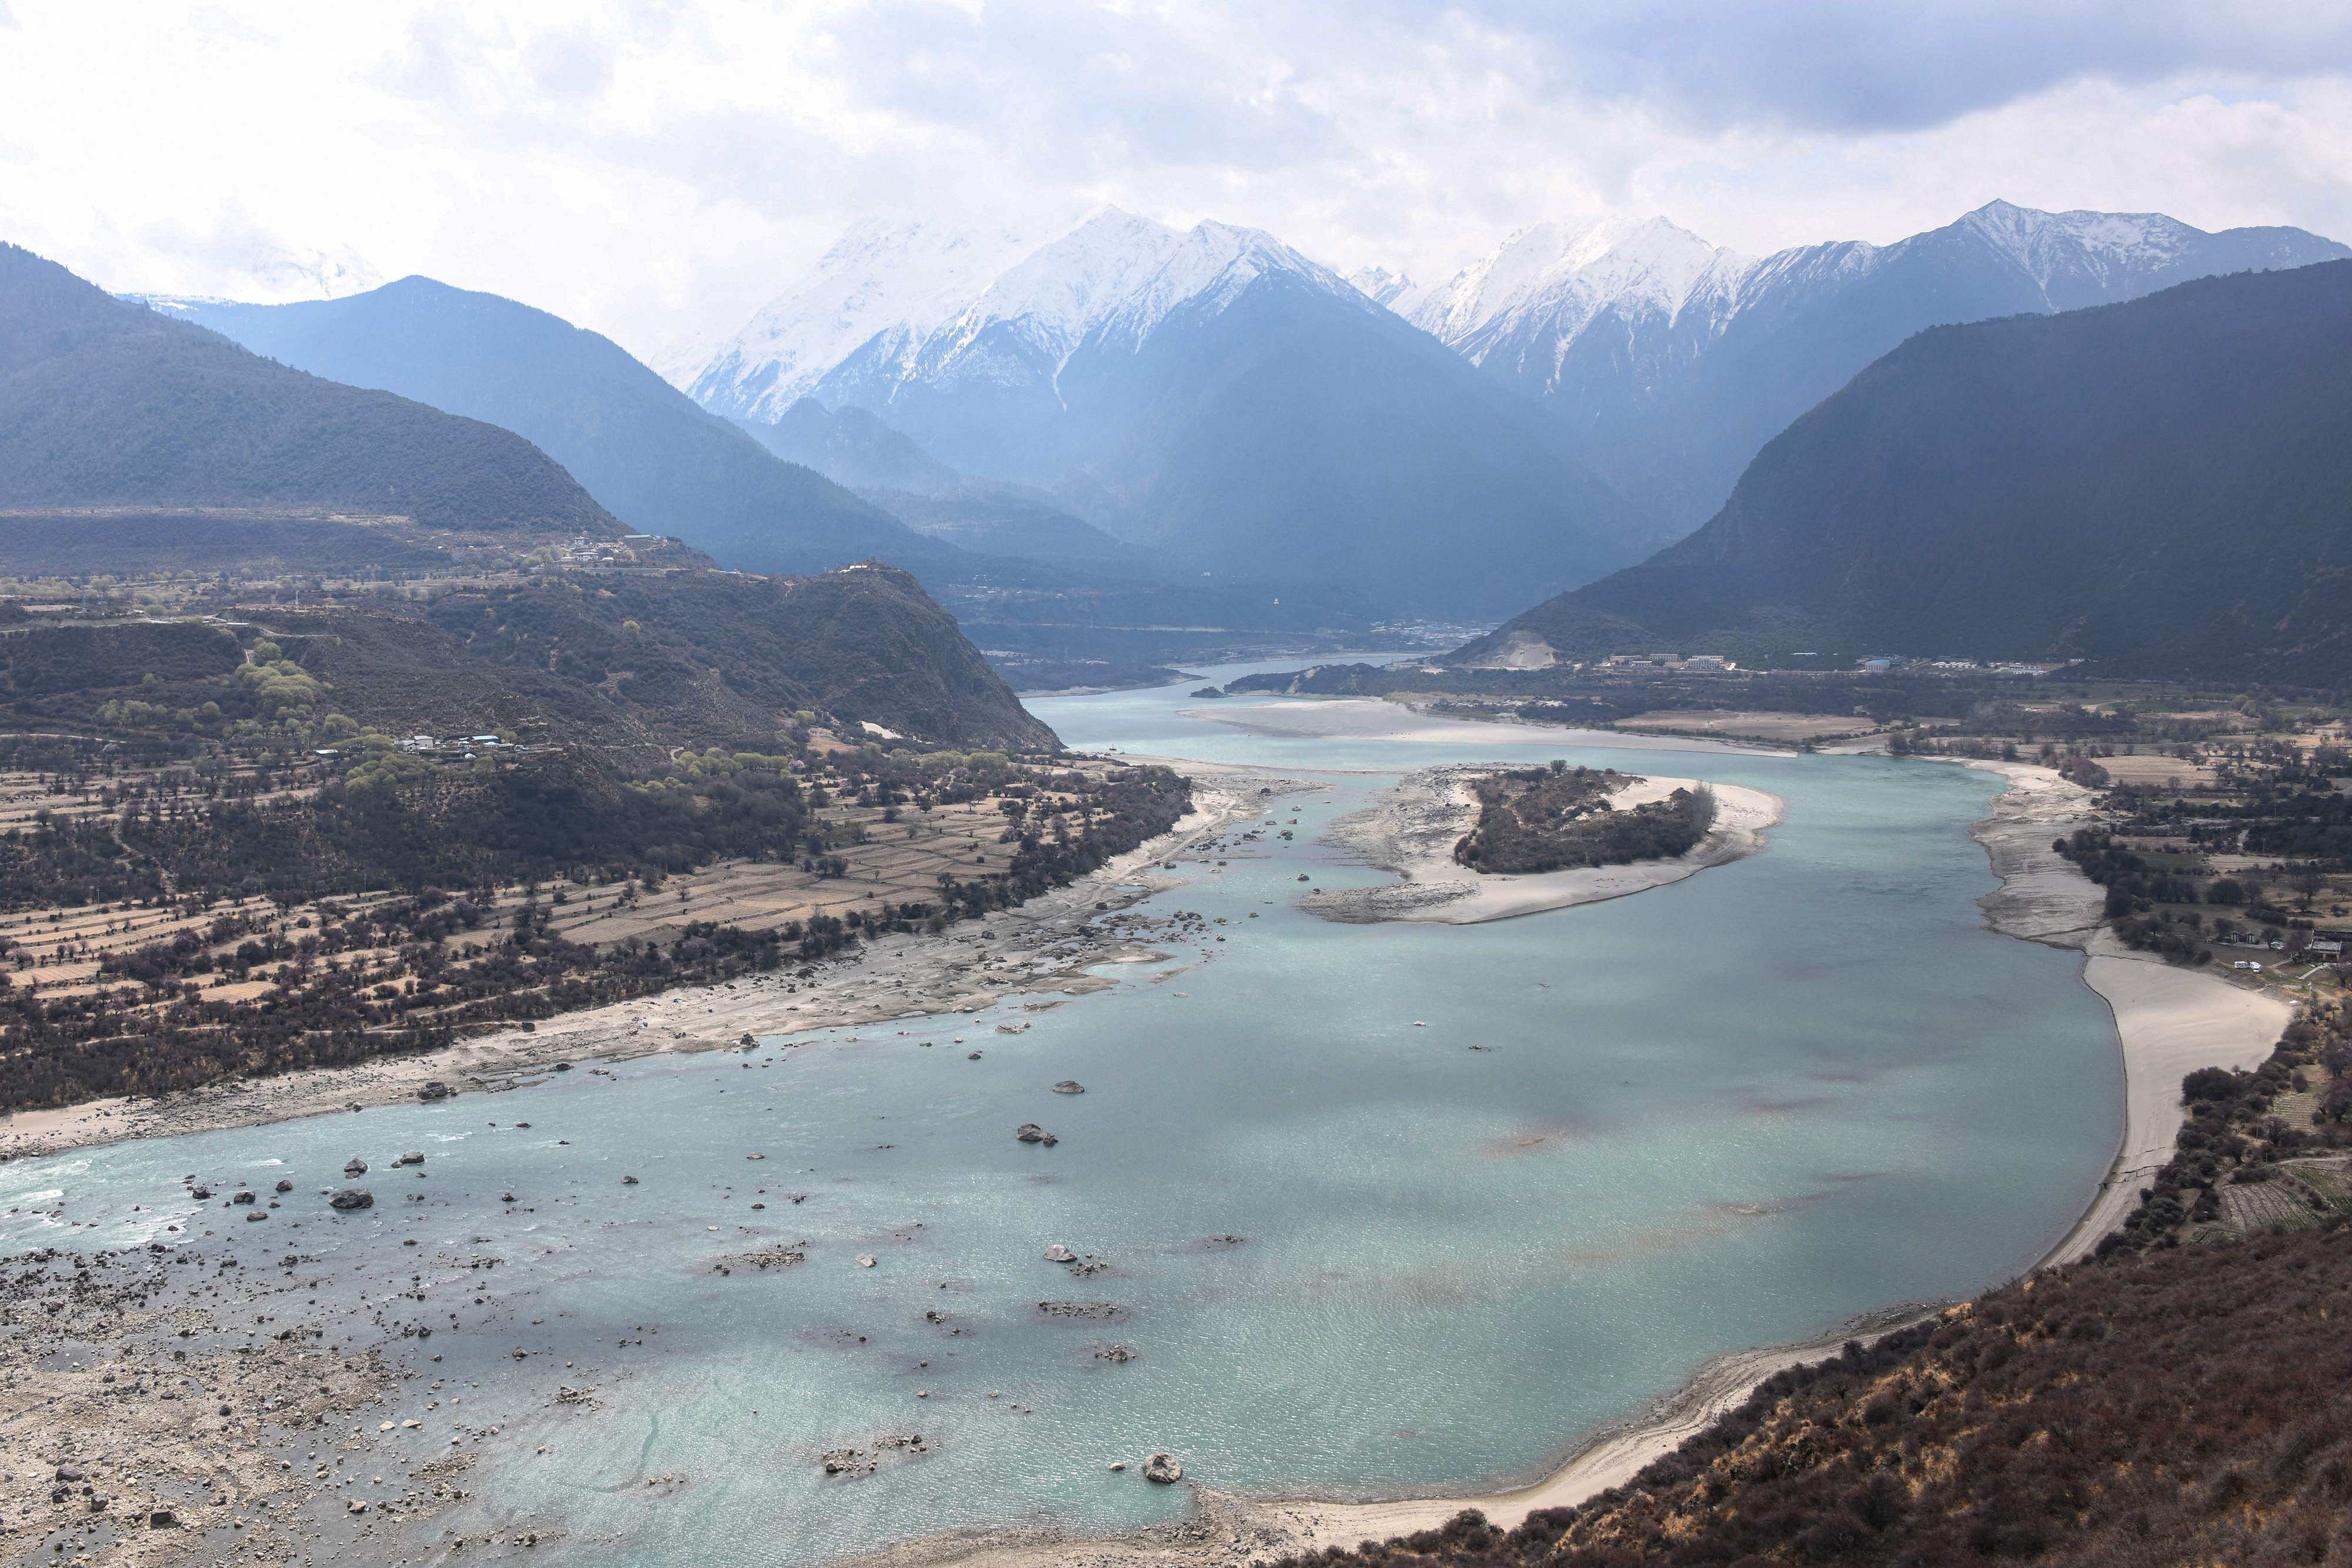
1413 827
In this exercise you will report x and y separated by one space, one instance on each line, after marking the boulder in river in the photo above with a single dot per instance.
352 1197
1163 1469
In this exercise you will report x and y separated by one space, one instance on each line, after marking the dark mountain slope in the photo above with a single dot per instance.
1671 405
103 403
640 446
1292 432
2160 486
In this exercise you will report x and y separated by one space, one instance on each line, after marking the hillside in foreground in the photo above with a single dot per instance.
2157 487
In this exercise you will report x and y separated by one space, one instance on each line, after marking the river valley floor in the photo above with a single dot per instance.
2168 1021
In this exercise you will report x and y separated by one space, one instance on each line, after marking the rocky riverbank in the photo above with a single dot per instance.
1046 946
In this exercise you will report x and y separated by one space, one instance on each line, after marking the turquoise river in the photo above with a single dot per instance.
1731 1111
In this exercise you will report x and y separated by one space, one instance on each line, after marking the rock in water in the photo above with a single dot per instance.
354 1166
1058 1253
1069 1086
412 1157
1031 1133
1163 1469
352 1197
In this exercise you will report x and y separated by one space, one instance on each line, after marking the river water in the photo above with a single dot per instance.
1346 1253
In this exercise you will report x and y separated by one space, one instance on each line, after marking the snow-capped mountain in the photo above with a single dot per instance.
1380 286
1673 361
1208 390
895 306
881 274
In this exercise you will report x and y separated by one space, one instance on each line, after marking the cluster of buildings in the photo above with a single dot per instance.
1686 663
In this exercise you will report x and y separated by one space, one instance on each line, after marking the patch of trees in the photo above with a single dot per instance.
1556 818
2188 1407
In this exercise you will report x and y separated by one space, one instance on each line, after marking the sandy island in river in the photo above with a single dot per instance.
1413 828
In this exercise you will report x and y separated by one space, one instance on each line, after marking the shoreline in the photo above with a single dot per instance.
1043 947
2168 1021
1413 828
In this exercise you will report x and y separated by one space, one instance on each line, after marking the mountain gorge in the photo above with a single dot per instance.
1673 361
2157 487
1209 391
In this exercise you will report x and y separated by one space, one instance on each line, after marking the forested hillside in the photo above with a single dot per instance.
2159 488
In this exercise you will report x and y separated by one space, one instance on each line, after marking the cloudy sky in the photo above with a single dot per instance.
659 168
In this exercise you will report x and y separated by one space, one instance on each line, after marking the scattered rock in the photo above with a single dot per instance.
1163 1468
412 1157
1058 1253
437 1090
354 1166
352 1197
628 1181
283 1186
866 1259
241 1196
1069 1086
1098 1312
1117 1355
161 1519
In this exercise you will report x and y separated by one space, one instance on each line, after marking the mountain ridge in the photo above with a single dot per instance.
2155 487
1674 362
1110 368
646 452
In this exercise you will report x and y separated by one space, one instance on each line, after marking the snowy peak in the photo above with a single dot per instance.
915 302
1567 274
1062 292
1380 286
2051 247
881 274
1209 267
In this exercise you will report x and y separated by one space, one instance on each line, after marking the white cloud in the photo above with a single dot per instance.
645 169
